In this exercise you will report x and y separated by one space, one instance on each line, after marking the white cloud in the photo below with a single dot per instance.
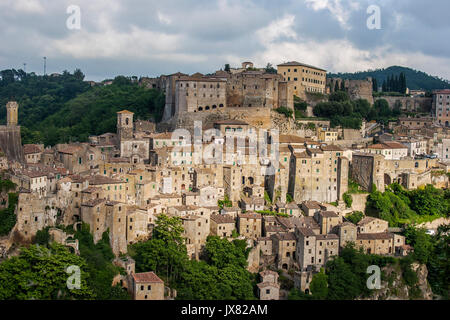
283 27
340 11
164 19
135 44
24 6
340 55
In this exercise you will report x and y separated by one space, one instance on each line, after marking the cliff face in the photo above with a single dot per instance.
393 287
11 143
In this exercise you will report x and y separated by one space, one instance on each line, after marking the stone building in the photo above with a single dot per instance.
303 78
347 232
284 246
441 107
33 153
372 225
196 230
327 246
319 174
249 225
222 225
380 243
268 288
306 248
146 286
327 221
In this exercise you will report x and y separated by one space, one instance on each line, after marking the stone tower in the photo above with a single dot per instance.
12 109
125 125
10 140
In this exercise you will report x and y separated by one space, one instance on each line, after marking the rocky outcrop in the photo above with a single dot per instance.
395 288
435 223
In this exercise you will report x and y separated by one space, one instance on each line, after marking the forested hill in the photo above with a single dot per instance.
64 108
415 80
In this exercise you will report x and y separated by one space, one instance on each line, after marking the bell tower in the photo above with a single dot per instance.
12 109
125 125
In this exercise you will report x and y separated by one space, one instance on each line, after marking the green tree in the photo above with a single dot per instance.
319 285
343 283
221 252
336 87
270 69
169 229
355 217
39 273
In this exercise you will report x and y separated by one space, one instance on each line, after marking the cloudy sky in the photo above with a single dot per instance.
153 37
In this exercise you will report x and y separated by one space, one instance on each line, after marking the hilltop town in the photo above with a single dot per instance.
242 153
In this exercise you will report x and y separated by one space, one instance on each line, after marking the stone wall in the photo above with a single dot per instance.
359 201
357 89
410 104
11 143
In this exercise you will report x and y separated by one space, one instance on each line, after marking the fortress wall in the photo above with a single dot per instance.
411 104
11 143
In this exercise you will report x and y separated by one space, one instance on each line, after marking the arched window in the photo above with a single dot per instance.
214 106
207 108
200 109
221 105
127 121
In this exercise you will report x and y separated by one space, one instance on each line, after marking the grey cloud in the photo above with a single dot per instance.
222 31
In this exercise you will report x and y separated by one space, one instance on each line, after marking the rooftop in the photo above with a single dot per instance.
146 277
299 64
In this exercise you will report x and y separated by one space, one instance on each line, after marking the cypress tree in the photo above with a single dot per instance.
342 85
336 86
374 85
403 83
384 86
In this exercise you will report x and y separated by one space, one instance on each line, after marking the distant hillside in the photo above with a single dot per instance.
415 80
65 108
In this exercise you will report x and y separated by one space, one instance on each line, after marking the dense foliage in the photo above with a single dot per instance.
399 206
434 251
349 114
415 80
39 273
220 274
8 215
355 217
99 258
345 276
56 109
286 111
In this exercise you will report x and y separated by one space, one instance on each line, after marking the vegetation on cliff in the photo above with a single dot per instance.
39 273
8 215
220 274
349 114
399 206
